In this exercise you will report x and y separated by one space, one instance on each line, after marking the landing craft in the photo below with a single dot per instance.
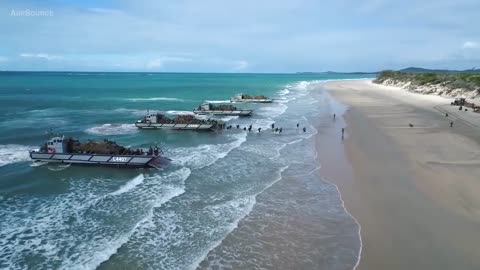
106 153
181 122
207 108
251 99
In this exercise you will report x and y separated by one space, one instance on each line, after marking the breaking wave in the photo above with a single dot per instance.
273 111
206 154
239 209
12 153
67 232
283 92
112 129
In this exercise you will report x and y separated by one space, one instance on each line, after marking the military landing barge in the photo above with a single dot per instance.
207 108
107 153
251 99
181 122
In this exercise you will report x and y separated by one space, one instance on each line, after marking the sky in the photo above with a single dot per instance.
238 36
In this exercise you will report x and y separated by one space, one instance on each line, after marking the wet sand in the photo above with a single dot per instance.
414 190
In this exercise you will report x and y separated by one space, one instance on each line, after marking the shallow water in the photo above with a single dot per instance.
62 217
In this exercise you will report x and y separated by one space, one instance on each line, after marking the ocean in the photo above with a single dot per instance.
219 205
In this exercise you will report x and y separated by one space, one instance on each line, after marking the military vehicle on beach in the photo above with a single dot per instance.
182 122
207 108
105 153
251 99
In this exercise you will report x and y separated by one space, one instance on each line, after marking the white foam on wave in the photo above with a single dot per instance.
217 117
130 111
109 248
283 92
66 234
172 112
226 118
206 154
142 226
245 205
112 129
38 163
58 167
45 112
304 86
157 99
218 101
12 153
273 111
129 185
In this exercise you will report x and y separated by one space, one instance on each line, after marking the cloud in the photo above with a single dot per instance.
470 45
216 35
240 65
43 56
161 61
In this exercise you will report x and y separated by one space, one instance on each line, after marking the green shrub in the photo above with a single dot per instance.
467 81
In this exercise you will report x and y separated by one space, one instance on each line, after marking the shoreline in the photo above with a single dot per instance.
406 195
334 165
299 221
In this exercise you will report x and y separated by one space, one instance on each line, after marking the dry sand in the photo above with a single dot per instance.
415 191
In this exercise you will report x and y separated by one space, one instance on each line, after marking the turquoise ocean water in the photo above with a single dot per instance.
57 217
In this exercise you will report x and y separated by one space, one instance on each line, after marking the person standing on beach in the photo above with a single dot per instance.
334 116
298 124
304 129
343 132
259 130
451 123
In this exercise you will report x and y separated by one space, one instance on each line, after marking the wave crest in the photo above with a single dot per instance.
157 99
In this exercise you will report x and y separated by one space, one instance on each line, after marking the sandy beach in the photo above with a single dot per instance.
414 190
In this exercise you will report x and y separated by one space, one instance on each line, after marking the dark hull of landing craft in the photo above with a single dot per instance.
205 127
128 161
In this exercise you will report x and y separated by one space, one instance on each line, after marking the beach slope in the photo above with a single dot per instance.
414 188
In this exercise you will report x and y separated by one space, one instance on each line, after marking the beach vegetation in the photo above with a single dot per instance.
466 80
